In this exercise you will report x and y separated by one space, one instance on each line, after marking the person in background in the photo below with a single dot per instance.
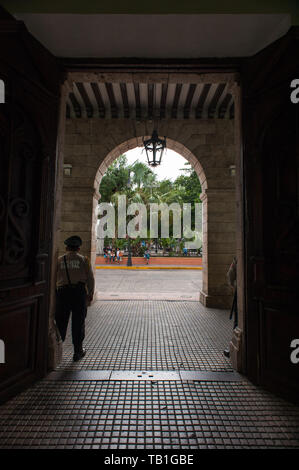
232 280
75 289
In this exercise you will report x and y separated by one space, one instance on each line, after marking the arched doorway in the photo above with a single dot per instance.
82 201
187 157
261 87
211 161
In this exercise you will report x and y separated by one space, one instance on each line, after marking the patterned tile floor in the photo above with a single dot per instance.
146 415
223 412
153 335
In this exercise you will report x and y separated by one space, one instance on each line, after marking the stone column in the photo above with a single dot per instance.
79 218
219 246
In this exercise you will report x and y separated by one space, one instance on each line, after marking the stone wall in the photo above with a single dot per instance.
91 145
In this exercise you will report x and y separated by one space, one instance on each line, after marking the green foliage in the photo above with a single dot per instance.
115 179
142 175
188 186
145 188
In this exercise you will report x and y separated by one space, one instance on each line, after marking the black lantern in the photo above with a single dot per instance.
154 148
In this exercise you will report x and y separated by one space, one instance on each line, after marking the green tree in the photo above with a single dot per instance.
115 179
188 186
146 189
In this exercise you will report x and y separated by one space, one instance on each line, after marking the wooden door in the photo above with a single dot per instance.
271 175
28 134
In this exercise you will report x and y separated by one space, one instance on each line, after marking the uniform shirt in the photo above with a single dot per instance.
79 271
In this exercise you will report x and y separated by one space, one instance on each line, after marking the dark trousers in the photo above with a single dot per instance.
72 299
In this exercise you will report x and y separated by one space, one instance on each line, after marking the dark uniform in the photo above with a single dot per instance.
232 280
75 288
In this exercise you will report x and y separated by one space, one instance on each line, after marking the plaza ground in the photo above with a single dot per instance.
148 284
154 377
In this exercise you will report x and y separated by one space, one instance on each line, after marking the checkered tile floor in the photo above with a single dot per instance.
153 335
162 410
145 415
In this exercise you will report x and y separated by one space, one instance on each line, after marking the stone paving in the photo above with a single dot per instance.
166 284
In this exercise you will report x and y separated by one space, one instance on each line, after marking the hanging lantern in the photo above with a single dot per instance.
154 148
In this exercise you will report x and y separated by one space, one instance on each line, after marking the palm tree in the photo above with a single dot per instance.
141 173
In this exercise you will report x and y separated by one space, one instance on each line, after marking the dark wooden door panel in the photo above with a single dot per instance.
271 165
278 369
20 341
28 136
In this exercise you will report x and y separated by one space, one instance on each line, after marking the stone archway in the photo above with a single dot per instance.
137 142
93 144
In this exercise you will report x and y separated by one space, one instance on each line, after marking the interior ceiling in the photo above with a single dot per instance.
152 7
139 100
155 36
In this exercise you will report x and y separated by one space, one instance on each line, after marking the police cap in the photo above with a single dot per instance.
73 241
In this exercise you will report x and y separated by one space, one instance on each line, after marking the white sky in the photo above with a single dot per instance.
170 167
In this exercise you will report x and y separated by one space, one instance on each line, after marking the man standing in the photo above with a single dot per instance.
75 288
232 280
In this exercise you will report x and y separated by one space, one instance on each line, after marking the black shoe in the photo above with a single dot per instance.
226 353
79 355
